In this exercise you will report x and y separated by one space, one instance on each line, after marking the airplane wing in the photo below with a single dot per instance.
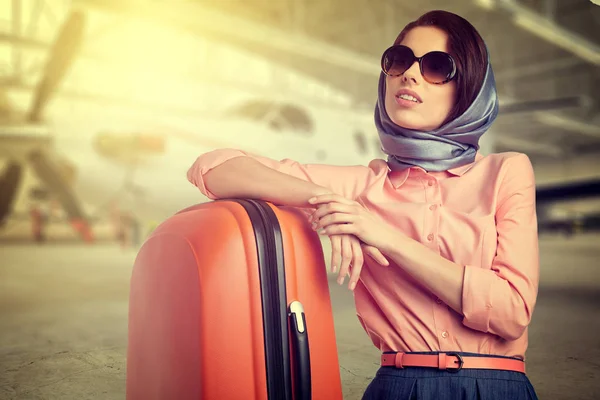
548 196
568 191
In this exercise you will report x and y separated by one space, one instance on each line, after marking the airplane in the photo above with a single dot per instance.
140 163
134 160
549 198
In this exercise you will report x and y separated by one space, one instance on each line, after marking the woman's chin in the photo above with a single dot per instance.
407 123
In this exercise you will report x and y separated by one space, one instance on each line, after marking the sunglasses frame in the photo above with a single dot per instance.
420 61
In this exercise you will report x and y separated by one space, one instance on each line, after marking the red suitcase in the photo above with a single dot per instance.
230 300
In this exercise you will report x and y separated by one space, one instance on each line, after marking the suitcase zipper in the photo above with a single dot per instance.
295 313
269 244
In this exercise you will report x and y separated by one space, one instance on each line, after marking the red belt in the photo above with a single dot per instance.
451 362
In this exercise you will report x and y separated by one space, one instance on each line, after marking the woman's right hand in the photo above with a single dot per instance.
347 253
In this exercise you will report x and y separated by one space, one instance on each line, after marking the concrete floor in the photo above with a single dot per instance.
63 329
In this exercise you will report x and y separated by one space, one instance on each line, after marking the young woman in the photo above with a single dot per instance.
451 280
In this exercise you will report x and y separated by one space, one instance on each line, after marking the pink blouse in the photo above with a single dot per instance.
481 215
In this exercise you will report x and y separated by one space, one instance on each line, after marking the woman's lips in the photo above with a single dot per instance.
407 98
405 103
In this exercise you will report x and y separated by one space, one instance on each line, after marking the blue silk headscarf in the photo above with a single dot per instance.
449 146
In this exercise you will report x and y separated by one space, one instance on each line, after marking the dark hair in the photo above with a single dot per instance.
466 47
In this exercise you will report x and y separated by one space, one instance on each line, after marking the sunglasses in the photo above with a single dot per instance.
436 67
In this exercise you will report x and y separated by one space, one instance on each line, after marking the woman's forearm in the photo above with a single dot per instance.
440 276
244 177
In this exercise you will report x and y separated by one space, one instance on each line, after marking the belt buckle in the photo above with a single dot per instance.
460 363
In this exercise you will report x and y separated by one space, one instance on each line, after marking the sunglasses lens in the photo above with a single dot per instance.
396 60
438 67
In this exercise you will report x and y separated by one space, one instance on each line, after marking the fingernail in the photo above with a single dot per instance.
311 200
352 285
333 268
314 225
321 231
340 281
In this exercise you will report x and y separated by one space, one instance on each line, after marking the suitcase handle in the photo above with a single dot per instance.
301 355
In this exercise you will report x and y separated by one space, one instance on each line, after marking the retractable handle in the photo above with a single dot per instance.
301 354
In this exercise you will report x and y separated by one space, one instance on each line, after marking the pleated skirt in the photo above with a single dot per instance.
420 383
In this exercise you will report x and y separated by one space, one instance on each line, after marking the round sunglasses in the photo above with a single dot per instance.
436 67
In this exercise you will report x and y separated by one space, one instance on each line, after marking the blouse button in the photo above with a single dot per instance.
444 334
432 207
430 237
438 300
430 183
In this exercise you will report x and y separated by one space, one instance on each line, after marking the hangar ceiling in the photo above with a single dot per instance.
540 50
545 54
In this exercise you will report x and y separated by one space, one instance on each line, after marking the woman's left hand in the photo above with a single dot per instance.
337 215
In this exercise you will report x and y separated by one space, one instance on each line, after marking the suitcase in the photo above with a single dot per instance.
230 300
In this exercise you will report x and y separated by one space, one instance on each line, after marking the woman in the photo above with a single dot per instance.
451 282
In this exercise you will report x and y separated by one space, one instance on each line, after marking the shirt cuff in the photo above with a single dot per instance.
205 163
477 297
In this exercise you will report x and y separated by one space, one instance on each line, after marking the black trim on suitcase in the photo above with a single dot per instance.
300 348
269 245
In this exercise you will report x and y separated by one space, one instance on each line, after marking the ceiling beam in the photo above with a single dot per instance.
200 19
546 29
538 68
569 124
528 146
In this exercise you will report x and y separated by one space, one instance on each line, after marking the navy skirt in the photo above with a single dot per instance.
421 383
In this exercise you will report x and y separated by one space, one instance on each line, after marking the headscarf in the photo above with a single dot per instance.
452 145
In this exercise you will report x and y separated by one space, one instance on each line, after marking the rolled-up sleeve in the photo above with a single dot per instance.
347 181
501 300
